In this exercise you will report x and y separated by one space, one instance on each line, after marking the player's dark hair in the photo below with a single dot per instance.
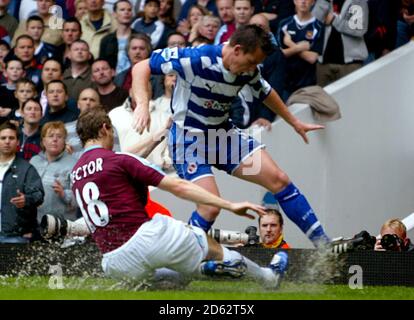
250 38
90 122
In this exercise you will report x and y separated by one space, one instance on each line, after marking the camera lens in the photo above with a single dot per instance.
390 242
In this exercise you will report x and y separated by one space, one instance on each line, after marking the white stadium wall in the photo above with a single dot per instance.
356 173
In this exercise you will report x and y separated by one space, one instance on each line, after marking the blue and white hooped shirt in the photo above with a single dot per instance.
205 89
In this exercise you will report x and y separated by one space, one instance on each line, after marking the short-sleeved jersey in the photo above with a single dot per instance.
300 73
111 190
205 89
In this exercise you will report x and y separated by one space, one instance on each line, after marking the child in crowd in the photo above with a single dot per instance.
8 103
81 9
35 28
25 90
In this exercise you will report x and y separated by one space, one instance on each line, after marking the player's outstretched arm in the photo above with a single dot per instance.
145 146
141 93
274 103
190 191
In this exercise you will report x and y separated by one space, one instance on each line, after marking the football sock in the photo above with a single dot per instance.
197 220
297 208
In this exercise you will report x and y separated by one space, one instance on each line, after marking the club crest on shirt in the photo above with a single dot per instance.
35 78
192 167
170 53
309 35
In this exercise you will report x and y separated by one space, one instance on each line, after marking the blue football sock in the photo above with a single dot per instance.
197 220
297 208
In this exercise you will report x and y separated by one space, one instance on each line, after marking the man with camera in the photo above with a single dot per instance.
393 237
271 230
270 233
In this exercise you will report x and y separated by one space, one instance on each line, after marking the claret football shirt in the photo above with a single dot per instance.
111 190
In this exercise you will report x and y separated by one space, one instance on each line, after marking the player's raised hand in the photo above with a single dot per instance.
141 120
302 128
241 208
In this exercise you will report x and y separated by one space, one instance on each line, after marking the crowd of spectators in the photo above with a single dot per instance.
58 58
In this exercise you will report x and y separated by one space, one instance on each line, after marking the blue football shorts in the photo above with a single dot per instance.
194 153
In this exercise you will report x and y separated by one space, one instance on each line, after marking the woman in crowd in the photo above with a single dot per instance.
207 27
194 16
54 166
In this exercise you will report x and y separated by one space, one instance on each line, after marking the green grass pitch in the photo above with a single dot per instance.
37 288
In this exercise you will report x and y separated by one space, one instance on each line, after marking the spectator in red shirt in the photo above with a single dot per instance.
226 12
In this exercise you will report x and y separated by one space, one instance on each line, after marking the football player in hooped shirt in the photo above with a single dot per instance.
111 191
208 78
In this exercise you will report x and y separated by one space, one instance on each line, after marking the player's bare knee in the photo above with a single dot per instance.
279 181
209 213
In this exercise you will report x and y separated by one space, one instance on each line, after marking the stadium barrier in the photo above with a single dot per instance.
305 265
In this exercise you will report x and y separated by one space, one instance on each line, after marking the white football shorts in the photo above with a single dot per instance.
158 243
